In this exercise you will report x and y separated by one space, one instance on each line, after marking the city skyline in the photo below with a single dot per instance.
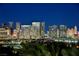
36 30
13 24
58 14
49 26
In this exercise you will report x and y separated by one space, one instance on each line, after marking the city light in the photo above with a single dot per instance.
57 33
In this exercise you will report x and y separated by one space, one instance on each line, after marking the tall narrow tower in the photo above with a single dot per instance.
75 28
42 29
18 29
11 27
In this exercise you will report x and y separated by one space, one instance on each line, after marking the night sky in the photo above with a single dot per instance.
67 14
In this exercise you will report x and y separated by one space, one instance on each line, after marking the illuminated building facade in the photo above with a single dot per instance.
4 34
58 31
73 33
42 29
14 35
25 31
37 30
62 31
75 29
18 26
53 31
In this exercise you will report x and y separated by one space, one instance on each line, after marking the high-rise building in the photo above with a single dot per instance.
11 27
75 28
25 30
62 31
42 30
11 24
18 26
53 31
58 33
70 32
38 30
73 33
35 30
